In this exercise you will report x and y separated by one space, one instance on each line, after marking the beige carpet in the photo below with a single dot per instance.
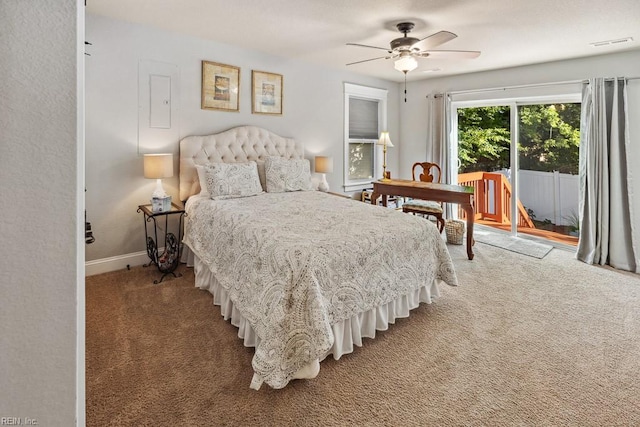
521 342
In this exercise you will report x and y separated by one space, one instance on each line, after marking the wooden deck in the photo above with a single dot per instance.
494 210
544 234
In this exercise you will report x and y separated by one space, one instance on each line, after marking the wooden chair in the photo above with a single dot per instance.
426 207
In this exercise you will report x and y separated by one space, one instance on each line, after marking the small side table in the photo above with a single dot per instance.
168 261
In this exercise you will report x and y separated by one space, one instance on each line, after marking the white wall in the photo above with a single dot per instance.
41 266
313 114
414 126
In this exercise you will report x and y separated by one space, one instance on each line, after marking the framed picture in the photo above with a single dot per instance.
220 86
266 93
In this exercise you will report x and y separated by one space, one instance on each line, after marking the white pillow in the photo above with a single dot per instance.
262 175
287 174
231 180
202 179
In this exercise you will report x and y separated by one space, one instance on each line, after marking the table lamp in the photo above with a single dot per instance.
158 166
385 141
323 165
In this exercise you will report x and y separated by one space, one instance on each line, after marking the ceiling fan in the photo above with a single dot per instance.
406 49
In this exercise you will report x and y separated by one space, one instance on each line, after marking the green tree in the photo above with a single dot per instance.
549 138
483 138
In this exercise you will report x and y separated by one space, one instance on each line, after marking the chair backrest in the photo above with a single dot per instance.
427 171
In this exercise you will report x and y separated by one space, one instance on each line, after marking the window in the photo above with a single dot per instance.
365 118
363 133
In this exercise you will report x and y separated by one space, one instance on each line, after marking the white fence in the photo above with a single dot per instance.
550 195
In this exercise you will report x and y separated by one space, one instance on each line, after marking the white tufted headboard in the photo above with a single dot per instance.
239 144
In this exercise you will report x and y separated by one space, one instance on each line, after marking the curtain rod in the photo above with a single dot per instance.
493 89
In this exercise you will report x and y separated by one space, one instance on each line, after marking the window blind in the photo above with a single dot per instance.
363 119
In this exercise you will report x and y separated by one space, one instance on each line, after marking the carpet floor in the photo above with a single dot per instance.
521 342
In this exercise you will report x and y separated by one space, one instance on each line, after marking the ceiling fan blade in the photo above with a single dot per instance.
365 45
449 54
434 40
367 60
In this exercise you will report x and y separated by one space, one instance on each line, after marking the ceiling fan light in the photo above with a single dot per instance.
406 64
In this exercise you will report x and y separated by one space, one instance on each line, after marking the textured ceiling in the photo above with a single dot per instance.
508 32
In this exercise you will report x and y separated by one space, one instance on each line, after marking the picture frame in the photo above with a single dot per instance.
220 87
266 93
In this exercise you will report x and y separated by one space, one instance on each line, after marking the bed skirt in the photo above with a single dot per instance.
347 333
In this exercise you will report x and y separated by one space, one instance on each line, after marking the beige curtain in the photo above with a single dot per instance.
606 229
438 141
439 138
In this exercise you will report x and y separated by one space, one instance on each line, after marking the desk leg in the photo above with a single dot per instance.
374 198
468 209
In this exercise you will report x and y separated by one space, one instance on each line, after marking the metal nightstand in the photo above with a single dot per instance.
168 261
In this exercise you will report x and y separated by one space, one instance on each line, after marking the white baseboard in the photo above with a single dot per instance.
119 262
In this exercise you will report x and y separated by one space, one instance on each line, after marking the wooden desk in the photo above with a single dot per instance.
429 191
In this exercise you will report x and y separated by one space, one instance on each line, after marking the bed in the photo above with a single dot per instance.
303 274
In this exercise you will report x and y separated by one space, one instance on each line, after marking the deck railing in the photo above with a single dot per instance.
492 196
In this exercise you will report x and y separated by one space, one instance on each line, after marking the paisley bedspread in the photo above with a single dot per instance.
296 263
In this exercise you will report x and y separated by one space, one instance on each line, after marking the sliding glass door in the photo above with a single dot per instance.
484 159
548 185
522 158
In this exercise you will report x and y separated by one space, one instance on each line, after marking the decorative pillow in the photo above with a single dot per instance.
202 179
287 174
231 180
262 174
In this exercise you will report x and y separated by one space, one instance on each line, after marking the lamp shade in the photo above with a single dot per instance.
406 64
158 166
384 139
324 164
